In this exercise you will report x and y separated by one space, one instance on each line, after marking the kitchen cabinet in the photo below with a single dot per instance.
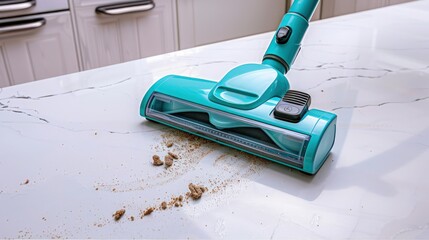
117 36
206 21
45 50
333 8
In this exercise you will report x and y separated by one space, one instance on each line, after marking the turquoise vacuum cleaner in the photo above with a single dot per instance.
252 108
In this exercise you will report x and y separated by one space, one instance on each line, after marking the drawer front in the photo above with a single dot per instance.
36 53
32 7
107 39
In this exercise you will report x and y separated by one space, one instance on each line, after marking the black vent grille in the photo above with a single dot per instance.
296 97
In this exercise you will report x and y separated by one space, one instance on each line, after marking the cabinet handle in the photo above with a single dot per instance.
15 5
123 8
22 25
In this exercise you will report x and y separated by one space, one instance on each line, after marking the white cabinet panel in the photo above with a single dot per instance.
30 55
110 39
207 21
4 76
333 8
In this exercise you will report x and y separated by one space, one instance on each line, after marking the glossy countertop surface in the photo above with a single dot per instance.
74 149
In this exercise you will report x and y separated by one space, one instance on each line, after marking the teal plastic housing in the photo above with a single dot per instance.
238 110
297 21
312 137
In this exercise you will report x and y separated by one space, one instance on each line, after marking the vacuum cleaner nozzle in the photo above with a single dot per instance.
252 108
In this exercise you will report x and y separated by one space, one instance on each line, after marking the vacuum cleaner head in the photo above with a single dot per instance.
252 108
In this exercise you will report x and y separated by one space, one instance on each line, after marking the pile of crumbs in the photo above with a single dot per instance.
168 159
179 145
195 193
118 214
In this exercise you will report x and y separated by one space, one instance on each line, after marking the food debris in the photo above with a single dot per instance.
173 155
25 182
132 218
118 214
169 144
157 161
164 205
196 191
177 201
168 161
148 211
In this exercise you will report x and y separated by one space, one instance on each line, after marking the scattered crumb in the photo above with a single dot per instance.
168 161
114 189
148 211
164 205
26 182
132 218
95 133
196 191
177 201
43 218
96 189
157 161
169 144
118 214
173 155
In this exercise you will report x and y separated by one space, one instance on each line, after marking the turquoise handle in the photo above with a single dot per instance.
305 8
281 55
250 85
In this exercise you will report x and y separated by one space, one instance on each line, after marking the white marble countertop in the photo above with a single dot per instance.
85 151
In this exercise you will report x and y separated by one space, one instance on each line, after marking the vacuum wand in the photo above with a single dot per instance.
286 43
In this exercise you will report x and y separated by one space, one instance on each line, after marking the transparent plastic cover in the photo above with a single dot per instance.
252 136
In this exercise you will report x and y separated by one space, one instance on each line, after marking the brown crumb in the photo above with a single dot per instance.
169 144
26 182
196 191
164 205
148 211
132 218
168 161
180 198
176 204
96 189
157 161
118 214
173 155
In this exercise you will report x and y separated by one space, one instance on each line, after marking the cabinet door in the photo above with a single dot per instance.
208 21
331 8
109 39
47 51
